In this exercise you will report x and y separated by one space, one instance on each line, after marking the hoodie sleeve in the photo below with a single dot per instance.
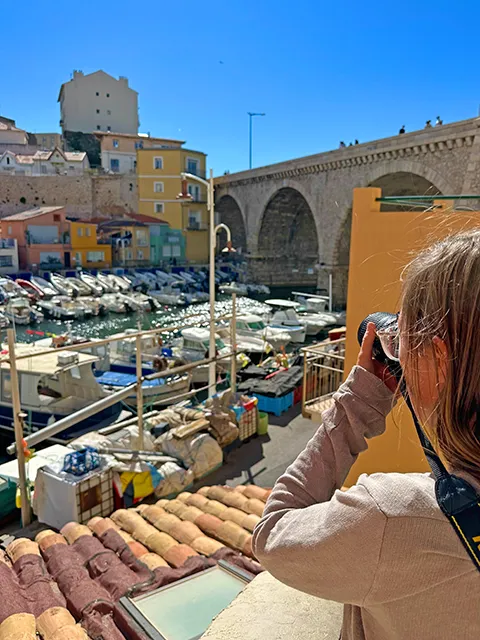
312 536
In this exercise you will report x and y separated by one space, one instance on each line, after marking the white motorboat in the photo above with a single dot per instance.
11 289
148 279
62 285
45 287
253 325
115 303
117 281
107 284
254 347
80 286
19 311
92 282
169 296
234 287
139 301
94 305
283 316
53 308
194 346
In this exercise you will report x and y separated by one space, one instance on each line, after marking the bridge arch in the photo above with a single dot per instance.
230 213
398 178
287 247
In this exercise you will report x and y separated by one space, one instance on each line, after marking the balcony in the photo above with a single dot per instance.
196 171
322 375
7 243
197 226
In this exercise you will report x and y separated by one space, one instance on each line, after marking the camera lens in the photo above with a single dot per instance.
381 320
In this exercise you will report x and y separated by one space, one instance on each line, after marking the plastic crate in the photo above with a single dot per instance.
277 406
297 394
247 420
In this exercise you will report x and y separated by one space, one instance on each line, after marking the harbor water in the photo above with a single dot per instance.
107 325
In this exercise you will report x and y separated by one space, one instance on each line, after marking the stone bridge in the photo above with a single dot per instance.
293 218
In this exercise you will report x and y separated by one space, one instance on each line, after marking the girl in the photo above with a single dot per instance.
383 547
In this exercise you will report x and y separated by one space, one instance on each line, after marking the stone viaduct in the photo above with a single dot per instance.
293 219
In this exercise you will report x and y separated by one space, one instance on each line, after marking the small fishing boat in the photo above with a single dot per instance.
31 288
283 316
161 391
53 386
194 345
81 287
234 287
254 347
11 289
105 282
62 285
4 321
53 309
45 287
92 282
252 325
19 311
170 296
115 303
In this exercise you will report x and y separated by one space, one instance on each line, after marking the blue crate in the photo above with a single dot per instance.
277 406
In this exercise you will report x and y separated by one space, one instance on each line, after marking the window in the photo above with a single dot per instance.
139 254
56 217
44 140
109 113
158 187
6 261
194 219
139 145
9 229
109 128
98 110
98 127
8 160
95 256
88 232
192 166
108 95
7 386
80 232
158 162
75 373
52 141
115 165
194 191
129 254
115 143
43 169
158 207
71 167
97 94
78 259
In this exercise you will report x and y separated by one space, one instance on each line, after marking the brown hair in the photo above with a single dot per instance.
441 297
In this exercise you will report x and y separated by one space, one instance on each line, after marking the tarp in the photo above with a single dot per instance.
281 384
117 379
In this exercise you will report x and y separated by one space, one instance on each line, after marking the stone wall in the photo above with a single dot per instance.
84 196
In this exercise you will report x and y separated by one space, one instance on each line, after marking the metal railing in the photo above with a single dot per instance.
323 368
13 356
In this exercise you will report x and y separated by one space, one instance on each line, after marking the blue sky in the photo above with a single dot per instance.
322 70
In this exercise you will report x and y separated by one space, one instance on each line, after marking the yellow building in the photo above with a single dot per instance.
119 150
160 182
87 251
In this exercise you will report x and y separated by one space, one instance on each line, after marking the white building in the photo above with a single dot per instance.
58 162
98 102
8 255
10 134
15 164
45 163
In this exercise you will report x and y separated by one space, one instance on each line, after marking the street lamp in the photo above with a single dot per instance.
252 115
213 230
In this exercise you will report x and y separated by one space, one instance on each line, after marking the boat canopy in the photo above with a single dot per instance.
285 304
48 363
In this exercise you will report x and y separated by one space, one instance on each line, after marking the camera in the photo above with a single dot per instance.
382 320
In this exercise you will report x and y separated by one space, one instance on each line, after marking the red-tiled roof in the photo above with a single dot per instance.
33 213
140 217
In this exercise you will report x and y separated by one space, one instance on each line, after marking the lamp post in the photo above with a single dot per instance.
213 230
251 115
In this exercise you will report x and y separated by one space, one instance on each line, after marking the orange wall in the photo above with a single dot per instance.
381 245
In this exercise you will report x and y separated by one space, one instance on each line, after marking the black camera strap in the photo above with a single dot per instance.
457 499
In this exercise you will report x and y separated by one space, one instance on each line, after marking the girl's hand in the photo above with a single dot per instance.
367 362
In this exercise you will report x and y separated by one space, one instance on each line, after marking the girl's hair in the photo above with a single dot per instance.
441 297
